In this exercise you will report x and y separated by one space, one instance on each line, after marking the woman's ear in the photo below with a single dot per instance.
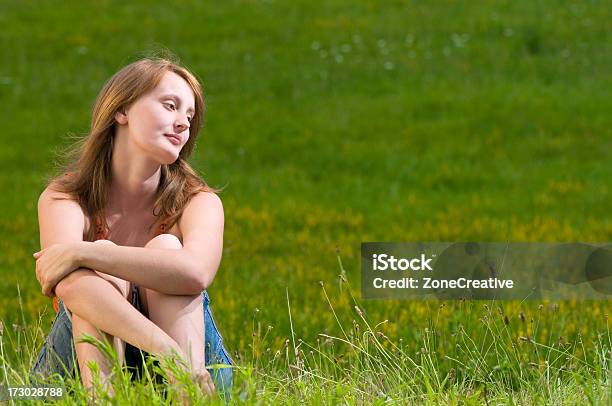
121 117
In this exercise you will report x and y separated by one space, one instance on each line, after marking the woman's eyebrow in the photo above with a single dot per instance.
177 99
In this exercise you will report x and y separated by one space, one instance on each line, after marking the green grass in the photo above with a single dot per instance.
468 353
337 123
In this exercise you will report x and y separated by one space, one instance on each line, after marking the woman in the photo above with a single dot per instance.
131 237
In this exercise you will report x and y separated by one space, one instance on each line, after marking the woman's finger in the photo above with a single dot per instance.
208 385
47 289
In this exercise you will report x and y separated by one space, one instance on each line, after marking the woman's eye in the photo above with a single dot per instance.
170 105
189 119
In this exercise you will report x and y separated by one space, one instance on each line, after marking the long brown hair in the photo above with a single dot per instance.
87 175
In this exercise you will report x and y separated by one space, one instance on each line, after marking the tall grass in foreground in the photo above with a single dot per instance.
489 361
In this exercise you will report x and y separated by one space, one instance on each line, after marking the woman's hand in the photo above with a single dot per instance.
54 263
204 380
178 363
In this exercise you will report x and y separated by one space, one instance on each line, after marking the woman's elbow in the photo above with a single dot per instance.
202 281
198 285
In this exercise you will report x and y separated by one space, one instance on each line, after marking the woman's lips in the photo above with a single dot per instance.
174 139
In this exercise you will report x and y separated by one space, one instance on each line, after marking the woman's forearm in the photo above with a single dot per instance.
170 271
85 293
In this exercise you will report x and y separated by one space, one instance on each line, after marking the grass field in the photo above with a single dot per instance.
334 123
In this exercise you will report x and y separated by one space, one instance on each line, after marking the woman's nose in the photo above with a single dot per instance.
181 125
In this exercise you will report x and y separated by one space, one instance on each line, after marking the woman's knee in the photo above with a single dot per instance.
67 285
167 241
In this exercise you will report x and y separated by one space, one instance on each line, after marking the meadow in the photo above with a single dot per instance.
328 124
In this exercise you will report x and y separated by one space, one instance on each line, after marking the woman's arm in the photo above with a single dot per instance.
180 272
61 222
60 219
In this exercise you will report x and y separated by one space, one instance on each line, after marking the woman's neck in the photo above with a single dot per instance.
134 182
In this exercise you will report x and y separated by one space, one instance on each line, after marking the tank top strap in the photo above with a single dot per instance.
101 230
161 228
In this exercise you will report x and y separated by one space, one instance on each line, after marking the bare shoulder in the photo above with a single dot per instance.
60 217
206 202
52 198
52 193
203 208
206 199
202 226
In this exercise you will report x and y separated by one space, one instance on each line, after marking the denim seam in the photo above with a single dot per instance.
221 342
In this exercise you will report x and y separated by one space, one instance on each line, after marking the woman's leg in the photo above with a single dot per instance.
188 320
181 317
87 353
102 305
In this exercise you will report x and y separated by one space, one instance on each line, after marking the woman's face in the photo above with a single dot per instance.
158 122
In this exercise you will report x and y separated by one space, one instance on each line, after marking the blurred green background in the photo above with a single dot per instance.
331 123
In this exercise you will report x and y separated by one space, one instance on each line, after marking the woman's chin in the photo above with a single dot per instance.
167 158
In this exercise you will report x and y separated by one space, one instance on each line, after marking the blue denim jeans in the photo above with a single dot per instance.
57 353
